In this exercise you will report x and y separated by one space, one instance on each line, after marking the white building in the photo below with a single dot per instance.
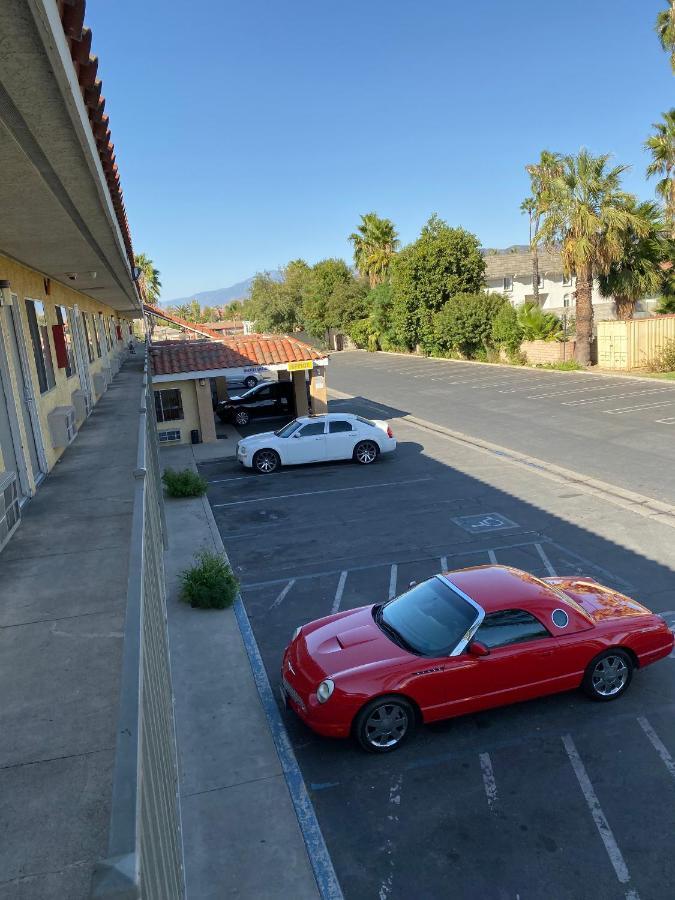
509 272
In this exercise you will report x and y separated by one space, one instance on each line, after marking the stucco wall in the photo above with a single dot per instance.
26 283
190 418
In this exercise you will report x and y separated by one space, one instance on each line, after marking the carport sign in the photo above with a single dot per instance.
300 366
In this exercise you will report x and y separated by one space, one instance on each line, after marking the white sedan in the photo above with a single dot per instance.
312 439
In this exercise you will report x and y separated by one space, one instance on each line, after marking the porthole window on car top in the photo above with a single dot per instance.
510 626
560 618
339 426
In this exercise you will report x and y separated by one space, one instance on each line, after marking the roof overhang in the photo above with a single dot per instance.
56 211
240 371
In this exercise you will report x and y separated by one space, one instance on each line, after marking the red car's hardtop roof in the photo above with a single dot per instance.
501 587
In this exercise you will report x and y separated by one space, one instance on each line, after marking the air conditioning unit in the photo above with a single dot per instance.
107 374
100 384
10 514
62 425
80 401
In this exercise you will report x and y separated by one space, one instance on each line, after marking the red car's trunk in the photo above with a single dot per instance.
597 601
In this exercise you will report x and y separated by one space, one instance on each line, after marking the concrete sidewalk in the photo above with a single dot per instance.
241 833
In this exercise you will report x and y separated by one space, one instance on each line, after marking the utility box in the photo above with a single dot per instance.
194 436
80 401
99 383
62 425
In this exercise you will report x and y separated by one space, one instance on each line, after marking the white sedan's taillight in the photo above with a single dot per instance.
390 433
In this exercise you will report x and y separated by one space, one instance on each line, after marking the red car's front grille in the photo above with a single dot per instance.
293 694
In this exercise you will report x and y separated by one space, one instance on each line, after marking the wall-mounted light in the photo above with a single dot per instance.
5 296
202 382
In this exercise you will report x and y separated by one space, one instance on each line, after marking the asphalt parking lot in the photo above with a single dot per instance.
610 427
559 797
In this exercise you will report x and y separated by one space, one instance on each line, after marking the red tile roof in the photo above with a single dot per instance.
177 357
224 324
196 327
86 66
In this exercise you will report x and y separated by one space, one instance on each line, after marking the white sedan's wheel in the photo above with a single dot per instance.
266 461
366 452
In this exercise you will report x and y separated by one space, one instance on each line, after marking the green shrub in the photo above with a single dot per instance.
360 331
517 358
464 324
185 483
210 583
569 365
664 361
506 330
537 325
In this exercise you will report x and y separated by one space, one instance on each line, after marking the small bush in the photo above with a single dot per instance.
537 325
506 330
664 361
569 365
517 358
210 584
185 483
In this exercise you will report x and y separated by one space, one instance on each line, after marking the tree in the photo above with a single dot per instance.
442 262
465 323
638 271
375 245
662 148
665 29
541 174
148 279
276 306
506 331
317 312
587 214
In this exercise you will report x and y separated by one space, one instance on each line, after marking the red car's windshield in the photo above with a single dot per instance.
431 618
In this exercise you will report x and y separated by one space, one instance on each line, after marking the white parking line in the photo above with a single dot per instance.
544 558
584 390
608 839
444 563
489 782
492 556
657 744
625 409
358 487
281 596
393 574
613 397
338 592
669 421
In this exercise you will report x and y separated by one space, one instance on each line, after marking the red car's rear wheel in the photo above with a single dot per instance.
384 723
608 675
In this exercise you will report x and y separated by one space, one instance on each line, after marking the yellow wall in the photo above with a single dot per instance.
190 418
28 284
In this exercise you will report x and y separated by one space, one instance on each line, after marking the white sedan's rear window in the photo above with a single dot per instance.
366 422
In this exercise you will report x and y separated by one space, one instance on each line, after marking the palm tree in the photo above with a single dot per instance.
148 279
662 147
665 29
541 174
587 215
375 244
638 272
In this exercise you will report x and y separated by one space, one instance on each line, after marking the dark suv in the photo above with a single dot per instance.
268 399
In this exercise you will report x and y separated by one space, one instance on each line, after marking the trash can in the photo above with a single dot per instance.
194 436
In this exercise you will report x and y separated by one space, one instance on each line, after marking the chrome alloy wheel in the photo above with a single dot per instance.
366 452
609 675
266 461
386 725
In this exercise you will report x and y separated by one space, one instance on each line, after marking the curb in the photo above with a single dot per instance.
644 506
512 368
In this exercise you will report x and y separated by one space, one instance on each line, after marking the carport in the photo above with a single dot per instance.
183 372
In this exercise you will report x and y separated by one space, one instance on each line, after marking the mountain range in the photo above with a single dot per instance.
221 296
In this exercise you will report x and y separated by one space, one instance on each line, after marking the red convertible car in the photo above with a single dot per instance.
462 642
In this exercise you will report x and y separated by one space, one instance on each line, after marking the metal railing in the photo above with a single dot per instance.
145 849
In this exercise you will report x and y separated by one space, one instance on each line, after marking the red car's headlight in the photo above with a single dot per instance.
324 690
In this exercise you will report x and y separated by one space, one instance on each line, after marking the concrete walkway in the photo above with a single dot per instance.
241 833
63 585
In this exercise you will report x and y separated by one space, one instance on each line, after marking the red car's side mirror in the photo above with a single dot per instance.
476 648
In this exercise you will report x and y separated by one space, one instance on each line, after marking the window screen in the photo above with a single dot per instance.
87 334
168 405
62 319
39 332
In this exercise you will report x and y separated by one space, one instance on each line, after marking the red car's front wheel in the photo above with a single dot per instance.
384 723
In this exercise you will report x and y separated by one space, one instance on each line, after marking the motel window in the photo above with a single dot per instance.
566 300
166 436
62 319
97 336
39 332
87 334
567 281
168 405
508 283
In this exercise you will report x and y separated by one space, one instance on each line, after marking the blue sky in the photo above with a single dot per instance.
250 133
